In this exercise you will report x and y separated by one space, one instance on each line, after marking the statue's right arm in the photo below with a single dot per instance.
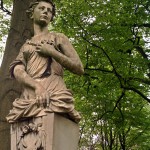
22 77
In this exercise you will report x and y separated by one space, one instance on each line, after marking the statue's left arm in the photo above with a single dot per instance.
68 57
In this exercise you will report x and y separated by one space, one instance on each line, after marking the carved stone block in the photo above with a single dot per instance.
51 132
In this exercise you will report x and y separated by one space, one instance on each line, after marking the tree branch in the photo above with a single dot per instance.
3 8
138 92
119 99
146 81
141 51
98 69
146 25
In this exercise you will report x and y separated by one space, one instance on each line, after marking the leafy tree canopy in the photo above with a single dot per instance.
111 37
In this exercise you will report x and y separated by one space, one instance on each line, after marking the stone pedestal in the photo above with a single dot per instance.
51 132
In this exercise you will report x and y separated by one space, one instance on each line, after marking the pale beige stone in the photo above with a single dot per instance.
39 68
59 132
35 123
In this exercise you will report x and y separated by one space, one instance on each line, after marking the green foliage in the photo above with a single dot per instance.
4 26
113 95
114 91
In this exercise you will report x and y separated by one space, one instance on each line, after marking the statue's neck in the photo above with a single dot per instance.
38 30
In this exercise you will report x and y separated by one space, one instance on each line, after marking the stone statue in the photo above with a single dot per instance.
39 68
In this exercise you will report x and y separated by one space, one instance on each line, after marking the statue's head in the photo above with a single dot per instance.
35 3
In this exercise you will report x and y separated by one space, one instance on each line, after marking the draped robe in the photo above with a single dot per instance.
49 73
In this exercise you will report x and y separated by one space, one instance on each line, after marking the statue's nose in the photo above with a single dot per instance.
45 11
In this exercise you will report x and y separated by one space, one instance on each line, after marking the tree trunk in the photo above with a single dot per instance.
20 30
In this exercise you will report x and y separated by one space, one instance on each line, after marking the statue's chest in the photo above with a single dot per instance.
30 47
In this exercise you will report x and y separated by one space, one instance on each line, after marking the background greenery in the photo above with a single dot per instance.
112 39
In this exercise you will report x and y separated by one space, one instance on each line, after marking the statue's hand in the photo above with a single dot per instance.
45 48
42 96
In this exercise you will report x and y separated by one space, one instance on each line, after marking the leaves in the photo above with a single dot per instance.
112 95
111 37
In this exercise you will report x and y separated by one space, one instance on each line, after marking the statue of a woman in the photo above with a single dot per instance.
39 68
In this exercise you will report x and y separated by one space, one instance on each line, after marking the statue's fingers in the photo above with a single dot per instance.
37 101
44 100
47 100
38 48
41 101
43 41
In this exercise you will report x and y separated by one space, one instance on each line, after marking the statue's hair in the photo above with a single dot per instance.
35 3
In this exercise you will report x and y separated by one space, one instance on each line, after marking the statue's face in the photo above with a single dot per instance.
42 13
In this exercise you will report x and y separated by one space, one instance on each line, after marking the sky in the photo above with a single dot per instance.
2 47
1 57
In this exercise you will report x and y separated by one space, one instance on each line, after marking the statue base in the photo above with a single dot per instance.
50 132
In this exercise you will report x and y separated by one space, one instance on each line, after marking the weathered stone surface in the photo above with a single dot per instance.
51 132
39 69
